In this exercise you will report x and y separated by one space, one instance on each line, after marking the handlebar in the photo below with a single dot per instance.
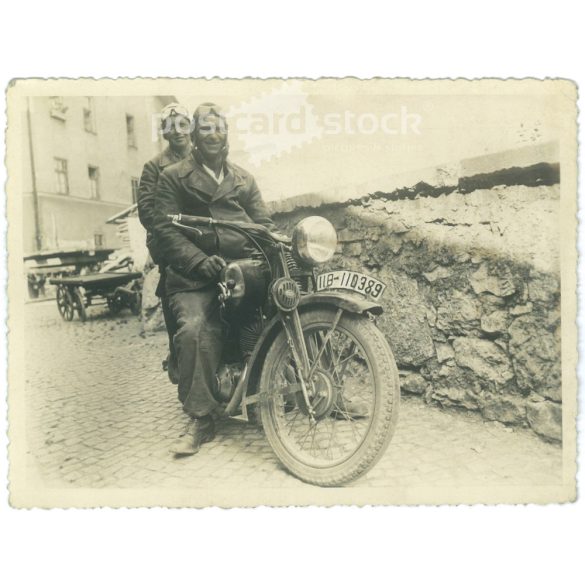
197 220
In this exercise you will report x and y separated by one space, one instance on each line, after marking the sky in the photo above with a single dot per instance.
299 137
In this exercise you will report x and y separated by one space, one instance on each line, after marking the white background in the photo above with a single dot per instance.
503 544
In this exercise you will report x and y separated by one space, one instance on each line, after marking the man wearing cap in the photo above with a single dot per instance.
175 127
205 184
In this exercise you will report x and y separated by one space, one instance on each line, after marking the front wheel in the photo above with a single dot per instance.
354 394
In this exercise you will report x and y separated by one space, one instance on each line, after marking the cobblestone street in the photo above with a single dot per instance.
101 413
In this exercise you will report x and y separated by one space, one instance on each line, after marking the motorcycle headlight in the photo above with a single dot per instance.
314 240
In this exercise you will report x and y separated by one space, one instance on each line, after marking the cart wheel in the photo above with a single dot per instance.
79 302
136 303
114 304
65 303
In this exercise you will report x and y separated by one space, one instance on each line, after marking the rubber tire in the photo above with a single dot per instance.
384 417
136 303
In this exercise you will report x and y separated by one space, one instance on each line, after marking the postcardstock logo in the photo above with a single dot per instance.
274 123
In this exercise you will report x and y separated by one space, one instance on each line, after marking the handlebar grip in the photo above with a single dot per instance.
197 220
280 238
191 219
200 220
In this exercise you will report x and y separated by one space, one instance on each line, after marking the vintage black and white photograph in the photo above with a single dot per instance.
291 291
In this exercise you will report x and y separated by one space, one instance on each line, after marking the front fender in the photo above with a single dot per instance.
342 300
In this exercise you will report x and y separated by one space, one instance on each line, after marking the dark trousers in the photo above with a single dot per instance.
171 325
170 322
198 342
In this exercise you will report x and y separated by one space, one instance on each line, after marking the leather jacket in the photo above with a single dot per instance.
146 194
186 187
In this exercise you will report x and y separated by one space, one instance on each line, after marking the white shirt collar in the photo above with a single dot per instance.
217 179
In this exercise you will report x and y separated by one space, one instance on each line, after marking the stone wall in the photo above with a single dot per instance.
472 308
470 254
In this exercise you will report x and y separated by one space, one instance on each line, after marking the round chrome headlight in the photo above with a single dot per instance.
314 240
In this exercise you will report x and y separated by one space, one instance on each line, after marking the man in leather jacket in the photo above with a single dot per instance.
175 127
207 184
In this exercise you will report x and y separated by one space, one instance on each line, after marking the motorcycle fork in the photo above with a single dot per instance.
291 323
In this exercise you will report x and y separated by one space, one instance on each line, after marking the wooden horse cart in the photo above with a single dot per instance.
118 290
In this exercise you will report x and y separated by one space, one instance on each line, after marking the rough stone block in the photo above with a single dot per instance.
431 315
412 382
536 356
346 235
444 352
521 309
438 273
495 322
455 386
353 249
543 288
545 418
506 409
497 282
484 358
453 396
458 314
404 320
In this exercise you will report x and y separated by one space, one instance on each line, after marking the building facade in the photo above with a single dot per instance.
82 164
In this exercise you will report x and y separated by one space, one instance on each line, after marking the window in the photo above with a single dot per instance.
130 130
135 184
61 177
57 108
89 115
98 240
94 182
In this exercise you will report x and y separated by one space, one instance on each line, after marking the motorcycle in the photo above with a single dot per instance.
308 361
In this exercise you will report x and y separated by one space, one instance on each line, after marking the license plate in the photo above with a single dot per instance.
354 281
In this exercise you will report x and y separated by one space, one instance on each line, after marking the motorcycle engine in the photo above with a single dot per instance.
230 370
227 378
249 335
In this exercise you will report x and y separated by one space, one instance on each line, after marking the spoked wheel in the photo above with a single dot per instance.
65 303
114 304
136 302
354 395
79 302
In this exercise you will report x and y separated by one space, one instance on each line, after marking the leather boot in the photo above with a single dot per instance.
197 432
